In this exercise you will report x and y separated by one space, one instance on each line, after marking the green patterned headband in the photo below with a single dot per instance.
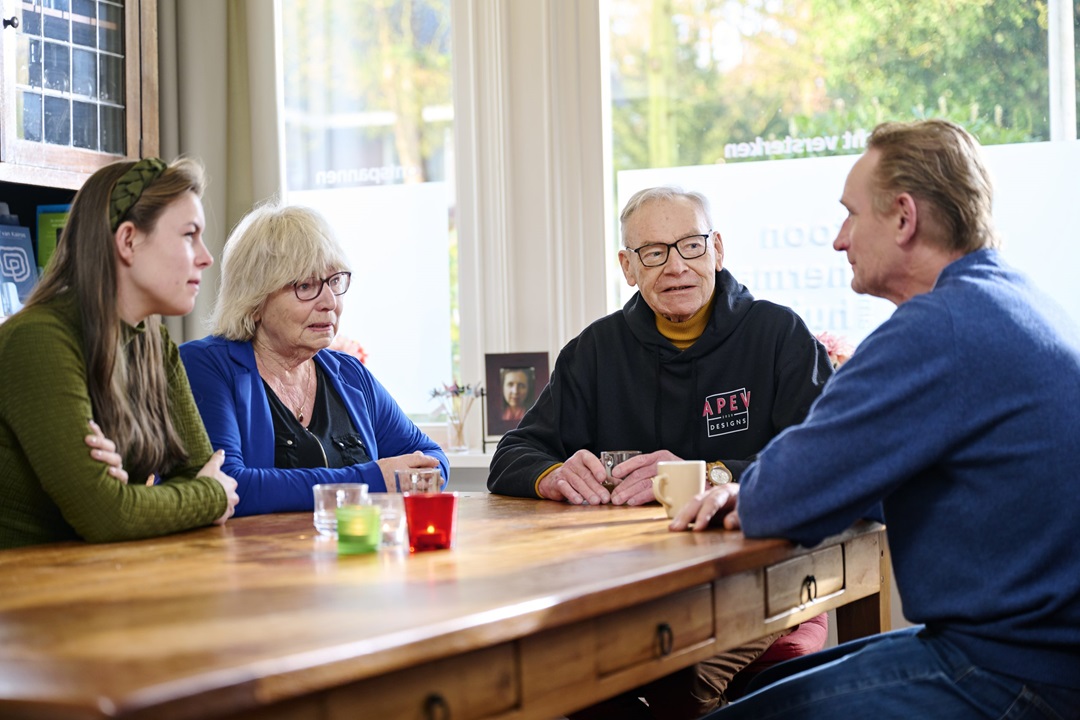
130 187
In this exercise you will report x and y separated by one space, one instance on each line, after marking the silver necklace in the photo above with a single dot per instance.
303 397
285 397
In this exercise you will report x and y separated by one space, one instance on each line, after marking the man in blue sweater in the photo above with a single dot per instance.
958 419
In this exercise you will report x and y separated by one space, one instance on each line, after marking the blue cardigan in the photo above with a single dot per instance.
232 401
959 414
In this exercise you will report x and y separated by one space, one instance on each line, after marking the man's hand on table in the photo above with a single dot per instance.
634 478
713 508
578 481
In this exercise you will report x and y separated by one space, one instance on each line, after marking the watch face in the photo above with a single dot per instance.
719 475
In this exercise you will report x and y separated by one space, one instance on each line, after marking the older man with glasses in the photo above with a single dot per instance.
289 412
693 367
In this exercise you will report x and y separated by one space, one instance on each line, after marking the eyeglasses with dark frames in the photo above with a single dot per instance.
689 248
312 287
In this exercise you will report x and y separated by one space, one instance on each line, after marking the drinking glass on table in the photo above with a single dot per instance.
418 480
392 517
329 497
611 458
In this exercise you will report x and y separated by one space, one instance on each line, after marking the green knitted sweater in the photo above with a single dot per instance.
50 487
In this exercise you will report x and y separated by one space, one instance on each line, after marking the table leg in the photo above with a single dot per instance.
871 614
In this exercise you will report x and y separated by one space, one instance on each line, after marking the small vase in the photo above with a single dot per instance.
455 434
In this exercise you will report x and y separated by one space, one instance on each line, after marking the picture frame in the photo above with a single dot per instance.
513 381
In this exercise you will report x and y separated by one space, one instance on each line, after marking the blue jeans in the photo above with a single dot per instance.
905 674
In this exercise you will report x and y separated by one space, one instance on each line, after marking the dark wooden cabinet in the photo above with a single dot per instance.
78 88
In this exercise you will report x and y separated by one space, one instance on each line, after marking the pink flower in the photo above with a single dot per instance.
838 347
349 347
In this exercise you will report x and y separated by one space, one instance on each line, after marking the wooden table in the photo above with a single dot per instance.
540 609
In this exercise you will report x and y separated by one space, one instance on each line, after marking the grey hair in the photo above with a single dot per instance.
662 192
272 247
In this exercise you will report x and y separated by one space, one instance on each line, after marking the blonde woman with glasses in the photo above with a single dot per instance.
289 412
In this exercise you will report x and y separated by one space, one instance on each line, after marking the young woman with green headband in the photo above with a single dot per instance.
89 351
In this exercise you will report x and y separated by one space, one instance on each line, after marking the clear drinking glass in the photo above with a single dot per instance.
391 516
329 497
418 480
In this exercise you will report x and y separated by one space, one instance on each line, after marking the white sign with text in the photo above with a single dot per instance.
778 220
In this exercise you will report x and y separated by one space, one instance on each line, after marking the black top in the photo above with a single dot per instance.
330 440
622 384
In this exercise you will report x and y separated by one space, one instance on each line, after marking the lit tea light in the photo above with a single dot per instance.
359 529
431 520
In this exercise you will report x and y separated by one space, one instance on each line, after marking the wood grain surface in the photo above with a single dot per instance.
225 619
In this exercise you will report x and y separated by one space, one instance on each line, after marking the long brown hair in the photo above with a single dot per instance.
128 386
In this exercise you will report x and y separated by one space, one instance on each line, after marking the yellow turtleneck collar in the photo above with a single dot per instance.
683 335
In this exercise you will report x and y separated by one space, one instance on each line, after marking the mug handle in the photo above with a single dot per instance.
659 484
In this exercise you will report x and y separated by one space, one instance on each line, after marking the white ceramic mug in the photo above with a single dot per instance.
677 482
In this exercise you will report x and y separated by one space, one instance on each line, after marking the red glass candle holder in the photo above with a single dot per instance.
431 519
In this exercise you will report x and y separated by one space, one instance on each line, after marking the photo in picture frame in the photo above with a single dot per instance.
514 381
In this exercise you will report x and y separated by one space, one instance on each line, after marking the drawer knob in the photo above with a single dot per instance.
665 638
809 586
436 707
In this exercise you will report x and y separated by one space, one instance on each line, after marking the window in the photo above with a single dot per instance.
762 104
368 142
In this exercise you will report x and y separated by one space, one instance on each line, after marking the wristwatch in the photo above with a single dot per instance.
717 473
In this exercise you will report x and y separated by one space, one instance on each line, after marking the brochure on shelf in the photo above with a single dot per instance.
18 271
50 223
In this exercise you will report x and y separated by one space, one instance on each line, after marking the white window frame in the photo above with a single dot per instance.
533 197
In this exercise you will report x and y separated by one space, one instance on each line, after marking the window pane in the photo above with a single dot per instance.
84 21
112 79
28 59
705 79
57 22
84 73
85 126
113 132
57 67
31 22
111 30
763 104
368 142
29 113
58 121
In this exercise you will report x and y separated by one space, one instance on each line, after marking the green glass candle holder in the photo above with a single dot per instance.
358 529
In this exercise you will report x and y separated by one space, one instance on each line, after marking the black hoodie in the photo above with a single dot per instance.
621 385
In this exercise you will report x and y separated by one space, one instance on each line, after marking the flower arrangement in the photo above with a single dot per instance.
839 348
456 401
349 347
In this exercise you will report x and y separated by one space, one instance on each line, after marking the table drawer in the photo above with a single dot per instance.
654 630
792 584
475 685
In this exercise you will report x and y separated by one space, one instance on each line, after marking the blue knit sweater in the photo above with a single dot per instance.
960 416
232 401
